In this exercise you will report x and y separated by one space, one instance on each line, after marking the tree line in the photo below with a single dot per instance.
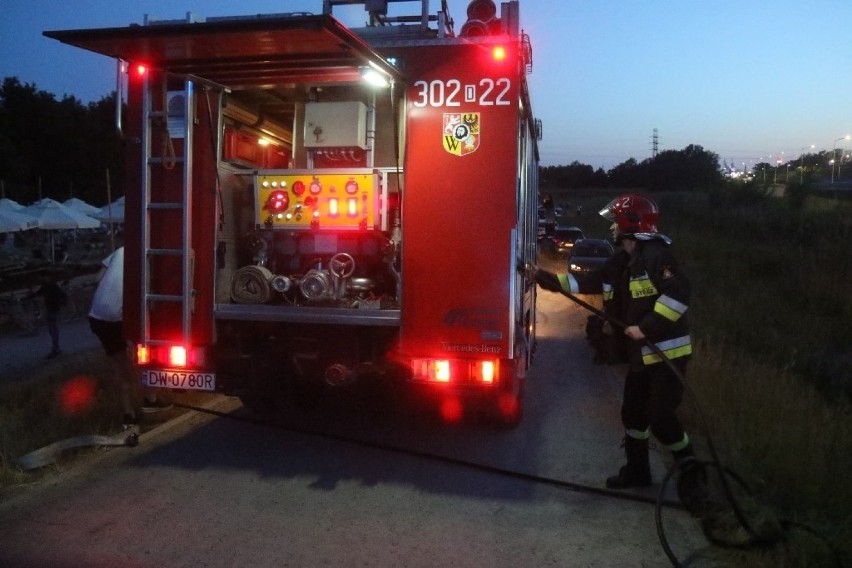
690 168
58 148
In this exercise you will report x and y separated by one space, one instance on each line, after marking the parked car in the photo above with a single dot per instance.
585 261
563 238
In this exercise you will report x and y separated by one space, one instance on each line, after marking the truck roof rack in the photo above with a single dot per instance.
378 10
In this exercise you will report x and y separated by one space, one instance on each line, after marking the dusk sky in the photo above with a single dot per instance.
750 80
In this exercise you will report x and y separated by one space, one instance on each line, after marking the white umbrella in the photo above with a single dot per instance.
12 221
112 213
81 206
6 203
53 216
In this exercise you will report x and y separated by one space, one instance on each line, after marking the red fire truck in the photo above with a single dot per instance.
310 206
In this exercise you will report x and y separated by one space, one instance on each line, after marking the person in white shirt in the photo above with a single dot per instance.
105 321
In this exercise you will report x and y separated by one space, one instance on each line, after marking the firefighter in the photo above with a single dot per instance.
644 287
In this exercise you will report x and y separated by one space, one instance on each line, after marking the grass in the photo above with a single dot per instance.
34 413
62 399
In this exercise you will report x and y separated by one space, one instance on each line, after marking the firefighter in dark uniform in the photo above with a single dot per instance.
644 287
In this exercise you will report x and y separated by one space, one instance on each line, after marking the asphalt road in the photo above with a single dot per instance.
363 483
21 351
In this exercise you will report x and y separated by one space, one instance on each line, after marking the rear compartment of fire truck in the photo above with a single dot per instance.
307 288
309 284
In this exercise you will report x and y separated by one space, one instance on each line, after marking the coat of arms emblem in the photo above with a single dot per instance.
461 132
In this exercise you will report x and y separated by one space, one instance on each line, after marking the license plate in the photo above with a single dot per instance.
173 379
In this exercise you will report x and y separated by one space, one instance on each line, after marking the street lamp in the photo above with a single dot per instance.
834 155
778 162
802 161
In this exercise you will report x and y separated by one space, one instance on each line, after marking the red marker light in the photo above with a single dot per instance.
141 70
499 53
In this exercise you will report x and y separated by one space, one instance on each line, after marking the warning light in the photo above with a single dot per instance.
277 201
352 207
499 53
332 207
298 188
141 70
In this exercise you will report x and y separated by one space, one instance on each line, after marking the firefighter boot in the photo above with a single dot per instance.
637 472
691 481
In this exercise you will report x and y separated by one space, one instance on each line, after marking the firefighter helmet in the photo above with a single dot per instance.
633 213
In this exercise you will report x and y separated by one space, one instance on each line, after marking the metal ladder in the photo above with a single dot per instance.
150 209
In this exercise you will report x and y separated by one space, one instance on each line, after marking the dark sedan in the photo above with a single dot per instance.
562 239
585 261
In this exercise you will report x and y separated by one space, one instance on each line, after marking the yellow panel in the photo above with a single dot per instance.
318 199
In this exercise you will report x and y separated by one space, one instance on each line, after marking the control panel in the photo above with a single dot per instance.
317 199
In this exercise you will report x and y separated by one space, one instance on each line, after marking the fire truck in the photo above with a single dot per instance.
311 206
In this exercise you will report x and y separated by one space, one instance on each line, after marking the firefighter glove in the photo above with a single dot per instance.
548 280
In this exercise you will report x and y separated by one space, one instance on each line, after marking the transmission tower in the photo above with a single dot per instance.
655 144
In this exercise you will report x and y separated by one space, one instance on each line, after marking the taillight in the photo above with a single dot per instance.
455 371
487 369
171 356
442 371
177 356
